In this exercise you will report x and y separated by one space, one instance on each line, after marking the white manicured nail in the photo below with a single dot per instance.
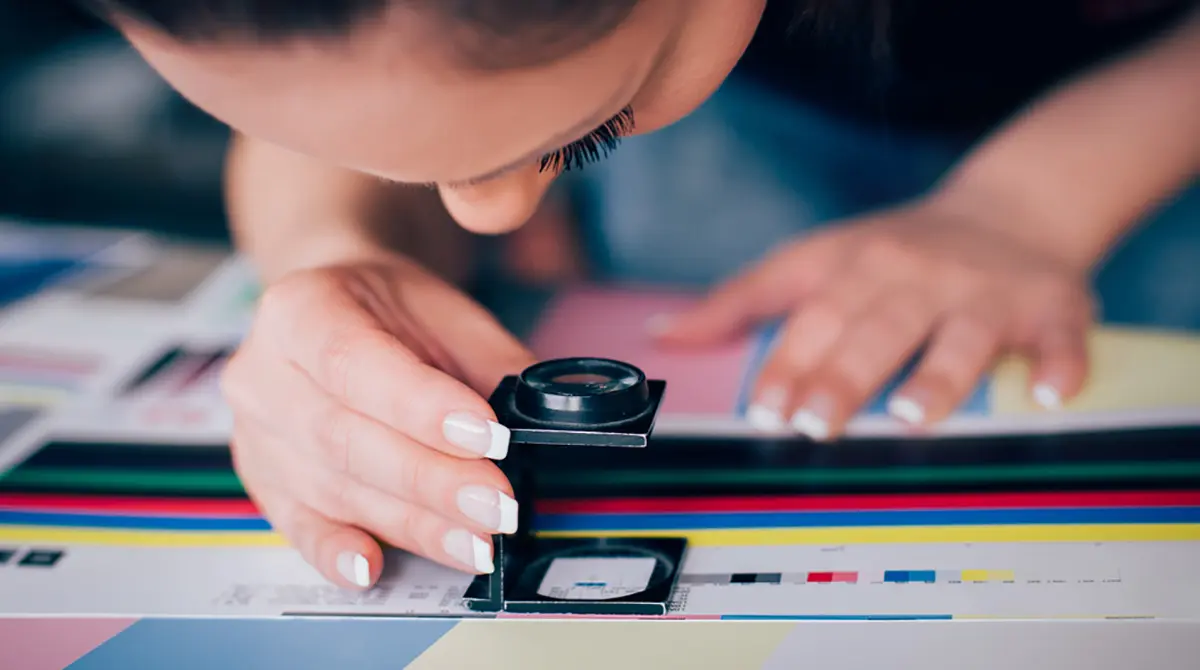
764 418
469 549
492 508
486 438
354 568
906 409
1047 396
765 413
807 422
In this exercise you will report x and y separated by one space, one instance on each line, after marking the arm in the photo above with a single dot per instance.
288 212
1086 164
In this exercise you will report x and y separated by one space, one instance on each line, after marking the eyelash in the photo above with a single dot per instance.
597 145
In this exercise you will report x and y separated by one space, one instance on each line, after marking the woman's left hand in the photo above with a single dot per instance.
945 277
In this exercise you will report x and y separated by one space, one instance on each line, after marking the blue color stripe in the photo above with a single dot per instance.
14 518
677 521
837 617
682 521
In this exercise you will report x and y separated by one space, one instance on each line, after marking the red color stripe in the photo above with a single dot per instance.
171 506
127 505
873 502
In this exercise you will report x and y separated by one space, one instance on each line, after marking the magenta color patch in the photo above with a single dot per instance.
612 324
53 643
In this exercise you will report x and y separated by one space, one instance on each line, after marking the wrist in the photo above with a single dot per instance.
311 249
1041 224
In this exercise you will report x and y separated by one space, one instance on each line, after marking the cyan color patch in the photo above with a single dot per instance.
978 403
232 644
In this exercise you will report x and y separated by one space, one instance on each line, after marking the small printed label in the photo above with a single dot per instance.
596 578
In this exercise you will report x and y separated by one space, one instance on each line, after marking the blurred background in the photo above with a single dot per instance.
89 134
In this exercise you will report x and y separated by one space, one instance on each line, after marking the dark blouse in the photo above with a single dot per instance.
945 66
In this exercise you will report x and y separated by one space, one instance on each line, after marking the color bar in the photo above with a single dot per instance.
820 577
845 577
988 576
906 576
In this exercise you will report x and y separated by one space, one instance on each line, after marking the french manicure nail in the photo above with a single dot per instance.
487 438
813 418
469 549
492 508
1047 396
354 568
764 414
906 409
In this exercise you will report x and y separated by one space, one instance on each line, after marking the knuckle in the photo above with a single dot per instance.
283 298
886 252
338 353
338 499
335 434
414 477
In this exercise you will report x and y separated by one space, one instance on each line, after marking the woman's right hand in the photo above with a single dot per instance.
359 413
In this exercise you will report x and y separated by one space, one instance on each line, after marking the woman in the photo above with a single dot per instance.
981 162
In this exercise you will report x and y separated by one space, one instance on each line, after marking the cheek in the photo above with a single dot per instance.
500 205
704 56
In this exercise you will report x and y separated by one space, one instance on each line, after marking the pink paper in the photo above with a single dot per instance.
611 323
53 644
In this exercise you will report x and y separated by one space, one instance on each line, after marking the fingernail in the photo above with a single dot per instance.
354 568
469 549
906 409
765 414
1047 396
658 324
492 508
476 435
813 418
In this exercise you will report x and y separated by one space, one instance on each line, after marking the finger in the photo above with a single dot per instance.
344 555
770 288
959 353
1060 364
472 492
367 369
805 339
869 352
414 528
339 500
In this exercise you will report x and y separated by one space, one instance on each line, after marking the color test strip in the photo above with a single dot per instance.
799 536
908 576
167 505
988 576
796 503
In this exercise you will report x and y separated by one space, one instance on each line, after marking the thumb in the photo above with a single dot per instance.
483 350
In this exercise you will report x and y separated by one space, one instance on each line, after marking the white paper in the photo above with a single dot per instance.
578 578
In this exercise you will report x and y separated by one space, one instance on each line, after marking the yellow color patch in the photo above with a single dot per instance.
1130 369
604 645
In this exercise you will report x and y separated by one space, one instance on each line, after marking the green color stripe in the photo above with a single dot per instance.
101 480
972 474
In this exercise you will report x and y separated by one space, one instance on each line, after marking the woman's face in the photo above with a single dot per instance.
383 104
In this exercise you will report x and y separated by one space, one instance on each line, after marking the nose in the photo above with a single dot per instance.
499 205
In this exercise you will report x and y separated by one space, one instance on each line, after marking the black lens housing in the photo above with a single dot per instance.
582 392
579 401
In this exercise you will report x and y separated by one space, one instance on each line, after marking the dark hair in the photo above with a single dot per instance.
490 34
